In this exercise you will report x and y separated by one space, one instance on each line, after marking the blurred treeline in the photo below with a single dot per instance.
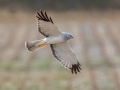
59 5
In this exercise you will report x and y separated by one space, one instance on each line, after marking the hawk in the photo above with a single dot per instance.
57 41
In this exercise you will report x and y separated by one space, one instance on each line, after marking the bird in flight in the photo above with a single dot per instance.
57 41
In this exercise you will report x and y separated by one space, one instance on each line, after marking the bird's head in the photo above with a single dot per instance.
67 36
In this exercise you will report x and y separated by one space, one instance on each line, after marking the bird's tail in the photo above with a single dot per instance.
34 45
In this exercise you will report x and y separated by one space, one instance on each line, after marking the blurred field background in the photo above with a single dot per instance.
95 25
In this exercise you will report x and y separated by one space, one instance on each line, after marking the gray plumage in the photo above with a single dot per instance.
57 41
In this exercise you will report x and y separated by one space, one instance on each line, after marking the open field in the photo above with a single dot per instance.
96 44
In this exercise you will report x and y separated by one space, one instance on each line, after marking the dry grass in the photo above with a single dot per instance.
96 45
69 16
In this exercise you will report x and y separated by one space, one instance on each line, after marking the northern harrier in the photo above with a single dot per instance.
57 41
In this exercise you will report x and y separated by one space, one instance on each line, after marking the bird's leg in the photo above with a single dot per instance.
43 44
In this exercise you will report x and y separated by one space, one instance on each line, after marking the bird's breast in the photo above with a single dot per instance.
55 39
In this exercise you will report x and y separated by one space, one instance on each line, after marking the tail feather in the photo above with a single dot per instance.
33 45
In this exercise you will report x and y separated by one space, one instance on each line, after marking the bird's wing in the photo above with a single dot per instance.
45 25
64 54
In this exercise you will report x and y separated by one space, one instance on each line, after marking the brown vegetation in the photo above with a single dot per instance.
96 44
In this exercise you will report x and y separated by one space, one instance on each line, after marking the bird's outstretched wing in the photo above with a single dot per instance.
45 24
63 53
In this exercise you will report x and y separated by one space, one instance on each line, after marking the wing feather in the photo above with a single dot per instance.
46 16
63 53
45 24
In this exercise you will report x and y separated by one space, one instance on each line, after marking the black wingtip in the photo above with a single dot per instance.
51 20
39 16
42 15
75 68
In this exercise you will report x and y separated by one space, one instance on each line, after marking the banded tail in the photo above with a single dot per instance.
34 45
